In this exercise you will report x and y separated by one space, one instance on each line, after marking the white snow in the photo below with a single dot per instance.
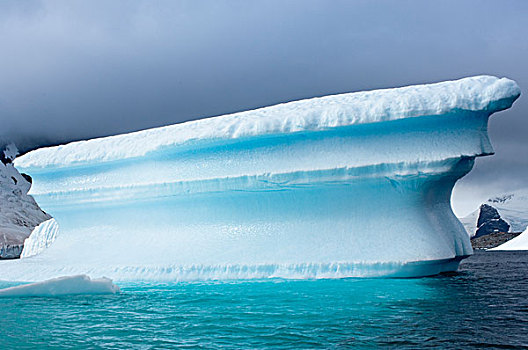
472 94
470 222
41 238
518 243
512 207
66 285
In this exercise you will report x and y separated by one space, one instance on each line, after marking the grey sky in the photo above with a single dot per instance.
72 70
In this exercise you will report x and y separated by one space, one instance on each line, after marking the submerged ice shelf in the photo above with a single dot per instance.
357 184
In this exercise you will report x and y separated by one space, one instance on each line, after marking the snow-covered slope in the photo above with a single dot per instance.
348 185
19 213
512 208
470 222
518 243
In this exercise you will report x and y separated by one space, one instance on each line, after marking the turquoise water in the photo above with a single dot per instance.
485 304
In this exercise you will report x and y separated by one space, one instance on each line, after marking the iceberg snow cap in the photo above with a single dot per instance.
479 93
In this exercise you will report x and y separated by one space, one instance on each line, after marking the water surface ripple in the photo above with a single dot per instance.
484 305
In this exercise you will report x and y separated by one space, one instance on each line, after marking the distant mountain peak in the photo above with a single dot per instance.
506 212
490 221
501 199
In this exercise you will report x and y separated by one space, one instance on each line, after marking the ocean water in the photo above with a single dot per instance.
484 305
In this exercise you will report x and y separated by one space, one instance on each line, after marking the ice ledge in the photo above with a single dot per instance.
480 93
227 272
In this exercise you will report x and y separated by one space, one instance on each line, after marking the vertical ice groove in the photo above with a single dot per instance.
41 238
339 186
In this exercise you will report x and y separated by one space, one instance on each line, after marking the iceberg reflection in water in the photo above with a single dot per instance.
348 185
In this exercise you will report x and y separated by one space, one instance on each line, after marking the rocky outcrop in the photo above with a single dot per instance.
490 221
11 251
19 213
493 240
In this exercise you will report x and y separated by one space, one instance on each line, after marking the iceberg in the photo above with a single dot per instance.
66 285
349 185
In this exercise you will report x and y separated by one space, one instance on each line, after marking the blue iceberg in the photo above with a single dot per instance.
349 185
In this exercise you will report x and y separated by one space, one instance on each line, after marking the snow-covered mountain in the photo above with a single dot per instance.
19 213
512 208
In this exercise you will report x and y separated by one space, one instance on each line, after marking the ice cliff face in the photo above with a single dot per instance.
41 238
356 184
19 213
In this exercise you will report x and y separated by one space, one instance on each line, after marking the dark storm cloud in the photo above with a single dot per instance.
72 70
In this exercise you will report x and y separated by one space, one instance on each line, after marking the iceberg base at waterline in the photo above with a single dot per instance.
226 272
349 185
66 285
